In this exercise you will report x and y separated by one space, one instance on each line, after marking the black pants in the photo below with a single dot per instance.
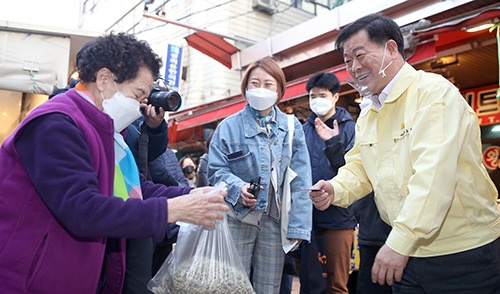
469 272
161 253
139 263
364 283
287 277
312 280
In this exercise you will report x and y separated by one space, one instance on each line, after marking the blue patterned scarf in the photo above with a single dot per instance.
127 183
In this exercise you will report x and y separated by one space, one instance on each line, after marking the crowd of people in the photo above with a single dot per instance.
85 207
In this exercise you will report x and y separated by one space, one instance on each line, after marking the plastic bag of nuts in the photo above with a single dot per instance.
203 261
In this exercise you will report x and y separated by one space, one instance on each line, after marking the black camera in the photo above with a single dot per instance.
254 186
161 96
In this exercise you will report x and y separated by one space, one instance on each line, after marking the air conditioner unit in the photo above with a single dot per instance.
266 6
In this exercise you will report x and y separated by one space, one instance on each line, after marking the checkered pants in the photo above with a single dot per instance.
261 253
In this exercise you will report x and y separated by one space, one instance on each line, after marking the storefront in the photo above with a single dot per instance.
483 100
437 40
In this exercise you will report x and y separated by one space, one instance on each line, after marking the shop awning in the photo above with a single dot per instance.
462 21
213 46
209 116
209 43
33 71
452 33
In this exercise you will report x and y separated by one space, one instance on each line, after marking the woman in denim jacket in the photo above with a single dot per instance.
254 143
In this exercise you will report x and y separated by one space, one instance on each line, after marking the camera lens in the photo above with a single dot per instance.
168 100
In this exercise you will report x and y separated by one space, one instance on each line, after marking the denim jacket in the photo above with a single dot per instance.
240 152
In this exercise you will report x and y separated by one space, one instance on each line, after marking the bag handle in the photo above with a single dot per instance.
291 132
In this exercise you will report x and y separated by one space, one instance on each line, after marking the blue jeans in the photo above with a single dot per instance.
469 272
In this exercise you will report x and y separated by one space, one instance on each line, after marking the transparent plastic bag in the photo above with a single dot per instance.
204 260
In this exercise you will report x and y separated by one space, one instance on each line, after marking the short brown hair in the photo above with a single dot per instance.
269 65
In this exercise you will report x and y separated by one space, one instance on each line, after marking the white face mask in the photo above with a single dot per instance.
381 71
260 98
320 106
123 110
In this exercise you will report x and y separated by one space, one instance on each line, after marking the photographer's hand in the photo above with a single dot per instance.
151 118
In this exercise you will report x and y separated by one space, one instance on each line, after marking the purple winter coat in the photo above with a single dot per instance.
57 212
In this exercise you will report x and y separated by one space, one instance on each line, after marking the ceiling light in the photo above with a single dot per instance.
479 27
444 61
496 129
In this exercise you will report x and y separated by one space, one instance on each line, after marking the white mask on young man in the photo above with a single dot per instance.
320 106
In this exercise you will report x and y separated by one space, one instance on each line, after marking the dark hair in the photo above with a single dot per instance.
269 65
379 28
181 161
323 80
121 53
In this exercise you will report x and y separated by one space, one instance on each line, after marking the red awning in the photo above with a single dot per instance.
209 116
451 33
212 45
294 90
423 53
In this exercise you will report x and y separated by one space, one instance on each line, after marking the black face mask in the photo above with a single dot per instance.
188 169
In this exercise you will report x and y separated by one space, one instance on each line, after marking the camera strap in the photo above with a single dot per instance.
143 150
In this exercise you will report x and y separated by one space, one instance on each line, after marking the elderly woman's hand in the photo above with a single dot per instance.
199 207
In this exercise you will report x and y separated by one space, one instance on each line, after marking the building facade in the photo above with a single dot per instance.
203 79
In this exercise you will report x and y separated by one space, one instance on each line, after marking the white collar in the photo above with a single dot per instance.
379 100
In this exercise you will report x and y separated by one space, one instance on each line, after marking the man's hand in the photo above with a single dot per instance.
197 207
388 266
322 195
151 118
324 131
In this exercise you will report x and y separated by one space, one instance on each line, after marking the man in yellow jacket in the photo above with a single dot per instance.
418 148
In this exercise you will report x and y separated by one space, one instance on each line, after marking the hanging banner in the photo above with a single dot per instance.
173 67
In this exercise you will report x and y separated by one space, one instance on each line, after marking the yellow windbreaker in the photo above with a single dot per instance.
421 155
